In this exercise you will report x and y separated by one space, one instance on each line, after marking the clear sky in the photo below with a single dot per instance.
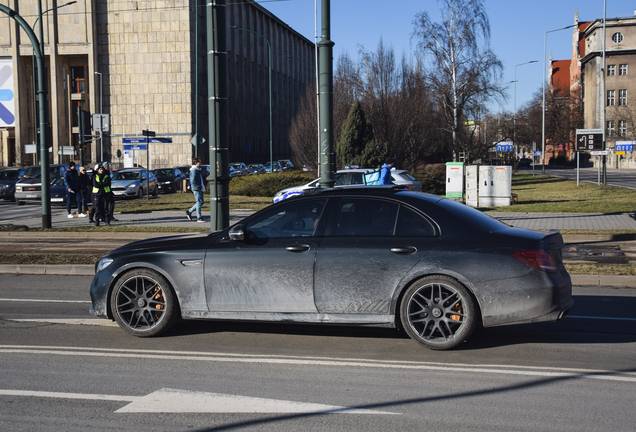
517 29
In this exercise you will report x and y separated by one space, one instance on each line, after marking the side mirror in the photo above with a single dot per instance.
237 233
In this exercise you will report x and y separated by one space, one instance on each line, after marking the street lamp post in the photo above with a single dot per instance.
101 120
514 117
269 50
545 40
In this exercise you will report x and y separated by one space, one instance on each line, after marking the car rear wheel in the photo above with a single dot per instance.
144 304
438 312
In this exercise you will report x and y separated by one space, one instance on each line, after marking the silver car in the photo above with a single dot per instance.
354 176
133 182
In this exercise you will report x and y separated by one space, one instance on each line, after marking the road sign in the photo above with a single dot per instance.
100 122
589 139
148 133
505 146
625 146
600 152
135 147
145 140
193 140
66 151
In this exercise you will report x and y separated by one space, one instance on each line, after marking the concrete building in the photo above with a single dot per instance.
619 99
144 64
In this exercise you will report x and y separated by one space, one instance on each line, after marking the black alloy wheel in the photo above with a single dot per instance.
144 304
438 312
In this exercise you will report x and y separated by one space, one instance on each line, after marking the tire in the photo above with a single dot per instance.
155 192
20 202
438 312
144 304
140 193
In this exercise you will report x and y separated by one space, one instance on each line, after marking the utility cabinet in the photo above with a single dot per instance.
455 181
495 185
472 186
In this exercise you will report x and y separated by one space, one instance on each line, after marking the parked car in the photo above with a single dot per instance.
133 182
8 178
355 176
286 165
276 167
58 194
29 187
169 179
240 168
524 162
369 255
256 169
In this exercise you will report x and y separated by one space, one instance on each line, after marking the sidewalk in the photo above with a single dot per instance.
109 240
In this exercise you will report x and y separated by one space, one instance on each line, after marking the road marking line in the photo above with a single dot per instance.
601 318
605 375
184 401
44 301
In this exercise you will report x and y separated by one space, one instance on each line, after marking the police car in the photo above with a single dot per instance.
352 176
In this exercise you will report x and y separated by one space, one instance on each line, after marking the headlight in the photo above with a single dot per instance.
166 182
131 186
103 263
18 188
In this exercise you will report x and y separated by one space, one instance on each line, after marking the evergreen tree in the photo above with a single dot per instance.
355 145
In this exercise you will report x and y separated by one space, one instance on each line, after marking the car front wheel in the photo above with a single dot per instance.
438 312
144 304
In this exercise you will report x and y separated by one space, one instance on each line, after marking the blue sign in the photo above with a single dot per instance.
135 147
144 140
504 147
625 147
537 153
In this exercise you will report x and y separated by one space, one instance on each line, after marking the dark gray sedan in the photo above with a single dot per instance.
355 255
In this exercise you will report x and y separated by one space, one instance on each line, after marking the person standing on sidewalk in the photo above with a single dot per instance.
110 199
73 189
101 188
198 188
87 186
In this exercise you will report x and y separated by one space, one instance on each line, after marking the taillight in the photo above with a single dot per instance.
537 259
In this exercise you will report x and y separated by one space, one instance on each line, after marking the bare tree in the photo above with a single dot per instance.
304 131
462 62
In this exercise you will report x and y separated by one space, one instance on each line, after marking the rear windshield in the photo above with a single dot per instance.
8 175
471 216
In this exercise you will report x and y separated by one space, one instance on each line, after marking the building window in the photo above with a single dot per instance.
622 97
611 70
617 38
622 69
622 128
611 128
611 97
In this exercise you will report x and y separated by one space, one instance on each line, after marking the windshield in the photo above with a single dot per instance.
276 164
8 175
32 172
162 172
126 175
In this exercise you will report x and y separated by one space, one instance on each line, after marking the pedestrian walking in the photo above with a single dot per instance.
198 188
101 188
73 189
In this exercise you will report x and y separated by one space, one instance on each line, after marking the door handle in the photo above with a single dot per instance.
404 250
297 248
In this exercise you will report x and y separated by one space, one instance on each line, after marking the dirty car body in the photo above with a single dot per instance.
364 256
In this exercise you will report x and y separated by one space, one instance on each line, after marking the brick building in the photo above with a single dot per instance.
146 62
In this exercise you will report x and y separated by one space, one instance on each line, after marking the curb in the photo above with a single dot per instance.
38 269
89 270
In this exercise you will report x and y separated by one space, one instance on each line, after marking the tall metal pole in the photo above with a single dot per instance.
101 121
219 177
269 50
44 147
604 95
545 42
325 54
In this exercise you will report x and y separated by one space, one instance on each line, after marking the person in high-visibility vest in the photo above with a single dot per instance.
101 189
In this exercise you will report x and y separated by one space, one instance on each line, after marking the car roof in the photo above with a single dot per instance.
375 190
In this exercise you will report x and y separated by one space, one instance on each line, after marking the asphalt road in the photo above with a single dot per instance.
622 178
63 370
